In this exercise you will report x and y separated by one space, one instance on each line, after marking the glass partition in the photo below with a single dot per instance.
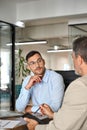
77 30
6 68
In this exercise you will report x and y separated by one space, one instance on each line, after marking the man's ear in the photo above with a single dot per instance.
80 60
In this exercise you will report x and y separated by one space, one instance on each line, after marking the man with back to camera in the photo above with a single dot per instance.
44 86
73 113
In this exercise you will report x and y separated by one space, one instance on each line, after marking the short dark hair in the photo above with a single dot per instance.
80 47
31 53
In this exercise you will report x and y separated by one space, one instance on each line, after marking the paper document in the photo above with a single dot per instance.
9 123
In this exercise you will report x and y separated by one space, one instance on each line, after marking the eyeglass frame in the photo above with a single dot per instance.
33 63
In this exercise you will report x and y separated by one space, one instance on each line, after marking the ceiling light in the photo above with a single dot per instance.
20 24
56 47
54 51
28 43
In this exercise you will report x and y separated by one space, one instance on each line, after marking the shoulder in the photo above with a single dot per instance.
81 81
77 90
52 72
26 79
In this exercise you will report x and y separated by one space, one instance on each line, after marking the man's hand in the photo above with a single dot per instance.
28 109
31 124
34 79
46 110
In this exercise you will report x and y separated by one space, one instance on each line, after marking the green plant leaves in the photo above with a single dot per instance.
23 71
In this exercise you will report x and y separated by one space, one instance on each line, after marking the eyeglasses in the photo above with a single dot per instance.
33 63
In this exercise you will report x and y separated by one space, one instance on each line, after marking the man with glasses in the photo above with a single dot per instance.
44 86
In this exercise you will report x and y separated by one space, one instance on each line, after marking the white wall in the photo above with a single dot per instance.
43 9
50 8
55 61
59 30
48 31
8 11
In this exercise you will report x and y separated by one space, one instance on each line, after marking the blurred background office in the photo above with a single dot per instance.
48 26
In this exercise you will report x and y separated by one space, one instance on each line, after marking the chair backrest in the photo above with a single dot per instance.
68 76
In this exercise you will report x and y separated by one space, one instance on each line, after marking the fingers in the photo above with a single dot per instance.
27 120
28 109
46 110
31 121
31 124
44 106
35 79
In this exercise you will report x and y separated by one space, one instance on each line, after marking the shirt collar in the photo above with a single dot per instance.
46 76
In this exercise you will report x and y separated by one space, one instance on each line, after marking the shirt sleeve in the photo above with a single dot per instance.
57 92
24 96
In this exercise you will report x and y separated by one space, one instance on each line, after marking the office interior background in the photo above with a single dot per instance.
55 22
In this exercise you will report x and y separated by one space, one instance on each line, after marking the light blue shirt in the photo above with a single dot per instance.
50 91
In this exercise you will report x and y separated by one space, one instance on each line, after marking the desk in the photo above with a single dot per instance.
20 127
9 115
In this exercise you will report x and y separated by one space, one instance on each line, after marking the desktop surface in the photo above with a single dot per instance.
8 114
13 116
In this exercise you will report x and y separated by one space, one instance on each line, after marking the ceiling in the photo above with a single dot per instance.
61 42
19 1
49 21
54 20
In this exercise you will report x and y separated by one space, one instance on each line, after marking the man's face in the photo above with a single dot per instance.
36 64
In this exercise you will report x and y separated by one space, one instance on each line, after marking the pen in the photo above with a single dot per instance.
38 109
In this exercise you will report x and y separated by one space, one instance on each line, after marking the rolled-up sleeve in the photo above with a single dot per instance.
24 97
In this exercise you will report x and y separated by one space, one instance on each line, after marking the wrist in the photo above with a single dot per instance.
52 115
27 87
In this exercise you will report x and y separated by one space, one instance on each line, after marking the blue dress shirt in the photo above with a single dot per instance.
50 91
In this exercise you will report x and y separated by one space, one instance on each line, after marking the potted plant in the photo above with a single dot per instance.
21 71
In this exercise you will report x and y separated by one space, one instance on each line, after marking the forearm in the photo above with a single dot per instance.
22 101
